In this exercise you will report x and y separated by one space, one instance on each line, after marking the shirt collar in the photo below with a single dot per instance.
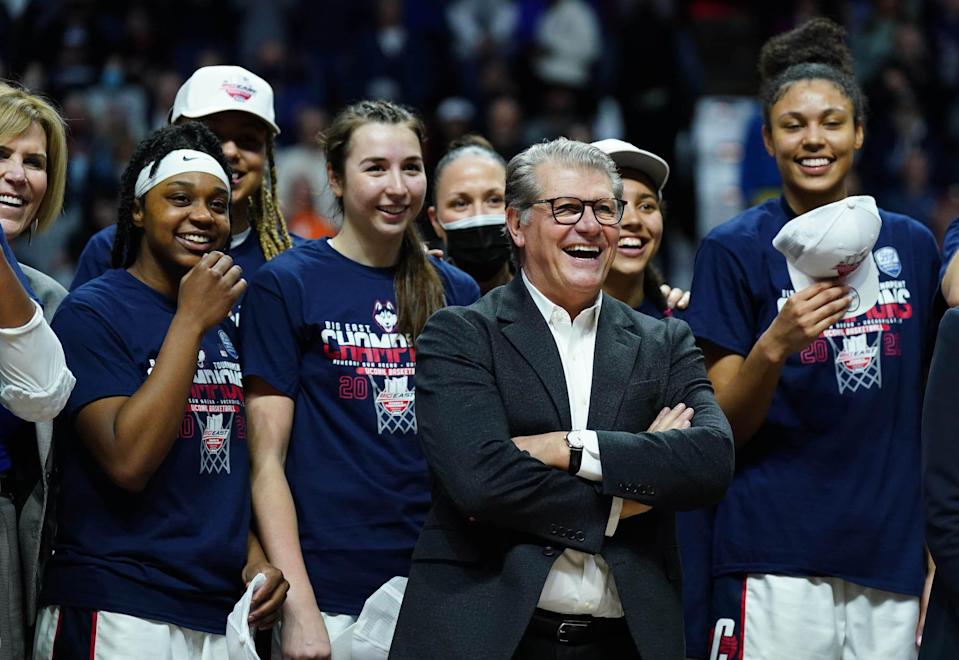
237 239
548 308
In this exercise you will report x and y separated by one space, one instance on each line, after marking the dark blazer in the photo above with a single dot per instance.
500 518
940 484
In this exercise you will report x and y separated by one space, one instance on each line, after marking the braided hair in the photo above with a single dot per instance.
419 291
816 50
152 149
265 215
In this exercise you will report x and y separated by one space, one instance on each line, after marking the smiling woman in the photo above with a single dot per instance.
34 381
237 105
824 405
153 537
633 278
340 486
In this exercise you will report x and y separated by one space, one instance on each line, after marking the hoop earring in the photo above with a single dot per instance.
33 229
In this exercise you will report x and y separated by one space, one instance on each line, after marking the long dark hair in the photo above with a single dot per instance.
419 291
191 135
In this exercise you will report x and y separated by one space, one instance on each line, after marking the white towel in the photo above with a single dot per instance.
239 633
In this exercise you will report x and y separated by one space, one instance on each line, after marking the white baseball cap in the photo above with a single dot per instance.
835 241
627 155
213 89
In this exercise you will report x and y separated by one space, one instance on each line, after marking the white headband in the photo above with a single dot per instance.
178 162
476 221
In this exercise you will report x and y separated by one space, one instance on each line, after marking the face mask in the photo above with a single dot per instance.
478 245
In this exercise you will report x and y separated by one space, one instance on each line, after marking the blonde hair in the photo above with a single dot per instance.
267 219
19 109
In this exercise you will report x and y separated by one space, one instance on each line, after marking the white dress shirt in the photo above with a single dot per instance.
579 583
35 382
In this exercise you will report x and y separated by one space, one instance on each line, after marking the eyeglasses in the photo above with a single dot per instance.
569 210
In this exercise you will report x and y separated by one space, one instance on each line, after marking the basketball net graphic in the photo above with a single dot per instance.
395 409
858 363
215 443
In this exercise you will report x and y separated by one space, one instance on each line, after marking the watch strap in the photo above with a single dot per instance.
575 455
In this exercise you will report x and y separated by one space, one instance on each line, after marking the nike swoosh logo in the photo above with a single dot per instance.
186 158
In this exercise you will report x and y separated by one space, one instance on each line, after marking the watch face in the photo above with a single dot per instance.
574 440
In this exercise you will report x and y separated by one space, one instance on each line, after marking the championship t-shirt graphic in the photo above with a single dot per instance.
857 346
381 357
174 551
323 330
829 484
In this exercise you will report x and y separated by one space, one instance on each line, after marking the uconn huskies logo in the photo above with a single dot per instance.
725 645
385 315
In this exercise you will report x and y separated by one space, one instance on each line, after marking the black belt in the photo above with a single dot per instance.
575 629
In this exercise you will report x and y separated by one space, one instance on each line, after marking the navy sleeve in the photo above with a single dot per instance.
96 355
721 311
15 267
950 244
95 259
269 337
460 288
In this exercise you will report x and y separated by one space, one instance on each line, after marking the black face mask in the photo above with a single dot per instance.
480 251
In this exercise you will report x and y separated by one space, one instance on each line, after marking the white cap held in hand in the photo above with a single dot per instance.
835 241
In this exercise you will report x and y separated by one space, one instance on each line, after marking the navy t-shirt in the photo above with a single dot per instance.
95 259
321 329
12 427
830 484
175 551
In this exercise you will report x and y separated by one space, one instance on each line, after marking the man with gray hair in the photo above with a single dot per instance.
558 426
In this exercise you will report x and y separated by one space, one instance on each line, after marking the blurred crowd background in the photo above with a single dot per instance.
675 77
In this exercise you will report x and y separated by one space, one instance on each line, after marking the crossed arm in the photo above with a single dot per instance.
488 477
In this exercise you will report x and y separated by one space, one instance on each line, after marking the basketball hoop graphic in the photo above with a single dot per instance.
395 407
858 363
215 444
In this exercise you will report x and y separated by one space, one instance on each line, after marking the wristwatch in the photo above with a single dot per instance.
575 444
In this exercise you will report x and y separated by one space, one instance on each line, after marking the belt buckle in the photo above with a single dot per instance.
566 627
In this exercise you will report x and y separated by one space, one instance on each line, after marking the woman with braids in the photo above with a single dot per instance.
818 543
237 106
340 485
153 544
469 213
